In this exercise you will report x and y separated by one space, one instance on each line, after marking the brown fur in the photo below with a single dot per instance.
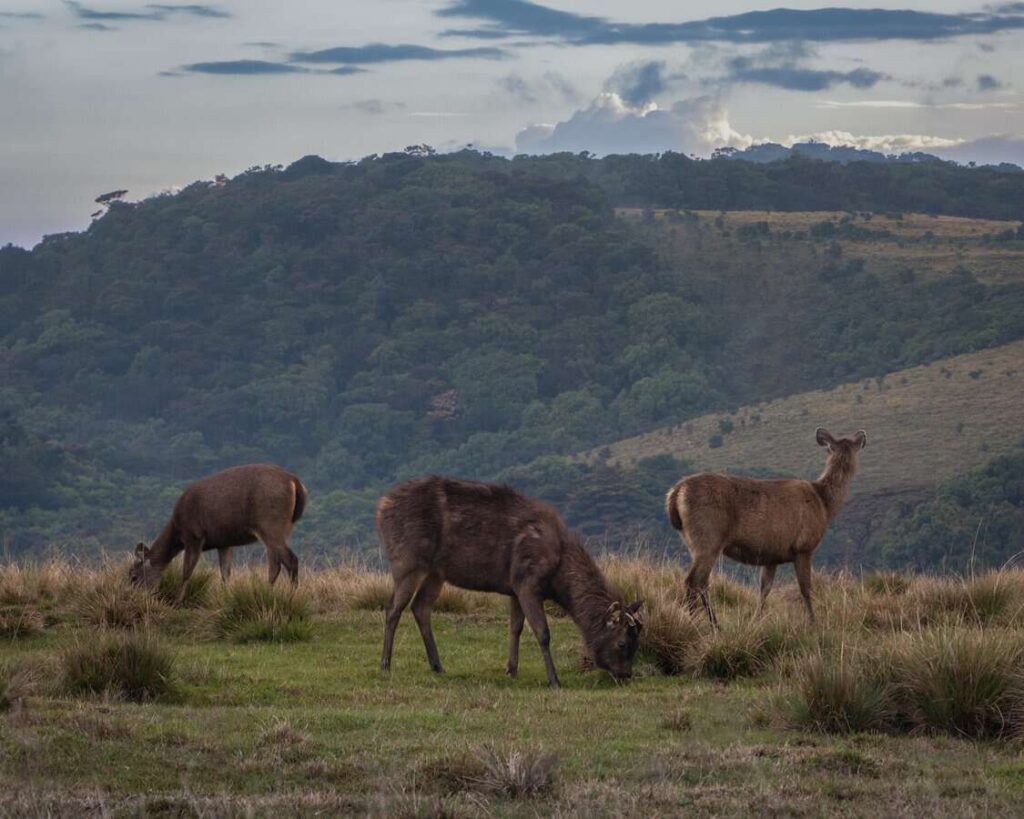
485 537
230 508
758 522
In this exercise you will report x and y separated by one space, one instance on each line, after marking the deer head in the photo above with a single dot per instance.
617 642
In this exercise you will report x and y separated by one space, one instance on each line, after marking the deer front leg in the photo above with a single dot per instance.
188 565
224 558
533 607
802 567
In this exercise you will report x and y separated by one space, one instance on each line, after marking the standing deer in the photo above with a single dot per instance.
230 508
761 523
485 537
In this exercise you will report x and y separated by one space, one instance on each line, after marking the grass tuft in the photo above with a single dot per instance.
745 648
110 600
878 584
517 774
198 593
129 665
20 621
670 637
252 610
837 695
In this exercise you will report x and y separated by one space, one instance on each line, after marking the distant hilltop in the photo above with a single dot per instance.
774 152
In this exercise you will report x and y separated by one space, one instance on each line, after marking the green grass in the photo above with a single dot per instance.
312 726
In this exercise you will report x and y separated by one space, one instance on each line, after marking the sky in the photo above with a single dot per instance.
101 95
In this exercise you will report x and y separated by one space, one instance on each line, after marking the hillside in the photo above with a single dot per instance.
364 322
926 426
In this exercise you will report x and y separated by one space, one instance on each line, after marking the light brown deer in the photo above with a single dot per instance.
487 537
760 522
230 508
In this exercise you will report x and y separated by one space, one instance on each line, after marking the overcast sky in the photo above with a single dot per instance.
105 94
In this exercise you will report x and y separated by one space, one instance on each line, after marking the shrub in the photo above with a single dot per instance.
517 774
744 649
20 621
670 637
959 680
254 610
198 593
837 695
111 601
131 665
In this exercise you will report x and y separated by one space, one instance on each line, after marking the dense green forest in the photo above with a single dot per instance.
364 322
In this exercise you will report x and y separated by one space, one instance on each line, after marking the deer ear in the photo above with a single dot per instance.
141 551
862 437
823 437
633 612
614 614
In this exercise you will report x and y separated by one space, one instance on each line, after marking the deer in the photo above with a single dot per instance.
762 523
490 538
234 507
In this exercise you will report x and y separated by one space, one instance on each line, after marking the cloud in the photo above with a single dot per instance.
986 82
153 11
807 79
97 27
21 15
246 68
385 53
375 107
549 84
522 17
640 82
951 106
609 125
987 150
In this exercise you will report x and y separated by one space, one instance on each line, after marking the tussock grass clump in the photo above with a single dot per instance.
130 665
198 593
961 681
670 637
838 695
878 584
729 594
745 648
370 591
110 600
253 610
40 585
517 774
20 621
644 579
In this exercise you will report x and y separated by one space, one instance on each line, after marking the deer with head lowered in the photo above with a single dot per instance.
230 508
761 522
487 537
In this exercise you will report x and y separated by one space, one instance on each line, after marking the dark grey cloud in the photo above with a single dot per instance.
640 82
97 27
150 12
986 82
386 53
248 68
807 79
522 17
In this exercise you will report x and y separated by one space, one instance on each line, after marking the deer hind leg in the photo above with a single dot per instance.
224 558
767 578
422 605
802 567
278 555
698 585
405 588
515 631
533 607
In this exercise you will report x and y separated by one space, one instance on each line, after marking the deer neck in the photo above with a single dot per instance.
580 589
165 548
834 483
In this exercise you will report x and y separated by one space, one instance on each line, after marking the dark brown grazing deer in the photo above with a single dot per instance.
485 537
761 523
230 508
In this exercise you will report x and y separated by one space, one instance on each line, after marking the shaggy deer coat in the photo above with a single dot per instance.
485 537
761 522
230 508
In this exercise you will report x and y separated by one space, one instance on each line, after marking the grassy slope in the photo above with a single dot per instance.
912 418
314 726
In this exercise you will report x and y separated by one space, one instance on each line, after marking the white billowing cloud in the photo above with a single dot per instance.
885 143
609 125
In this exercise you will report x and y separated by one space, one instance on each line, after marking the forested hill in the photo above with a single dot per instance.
363 322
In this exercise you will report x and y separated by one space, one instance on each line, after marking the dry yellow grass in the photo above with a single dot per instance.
925 424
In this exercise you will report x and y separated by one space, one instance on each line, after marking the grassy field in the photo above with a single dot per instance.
272 703
932 246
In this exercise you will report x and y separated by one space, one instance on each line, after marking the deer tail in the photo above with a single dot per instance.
301 496
672 506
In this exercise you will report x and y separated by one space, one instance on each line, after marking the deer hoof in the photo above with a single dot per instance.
511 670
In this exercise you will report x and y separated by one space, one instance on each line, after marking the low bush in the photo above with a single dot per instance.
130 665
253 610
